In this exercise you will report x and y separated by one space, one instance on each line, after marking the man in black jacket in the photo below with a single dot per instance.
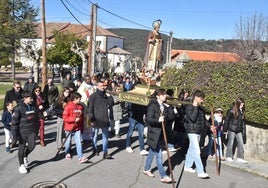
25 128
195 122
99 106
15 94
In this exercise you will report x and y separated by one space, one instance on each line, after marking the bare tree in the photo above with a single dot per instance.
83 54
252 33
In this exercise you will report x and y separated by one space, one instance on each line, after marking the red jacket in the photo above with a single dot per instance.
72 111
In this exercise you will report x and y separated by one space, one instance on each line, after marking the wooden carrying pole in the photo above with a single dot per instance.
215 143
67 136
168 154
63 143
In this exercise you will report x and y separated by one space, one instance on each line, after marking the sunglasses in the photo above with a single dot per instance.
17 87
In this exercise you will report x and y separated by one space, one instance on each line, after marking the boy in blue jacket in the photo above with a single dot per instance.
6 119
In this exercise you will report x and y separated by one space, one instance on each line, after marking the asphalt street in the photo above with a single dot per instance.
122 171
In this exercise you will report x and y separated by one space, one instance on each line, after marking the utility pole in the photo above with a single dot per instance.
13 41
44 50
92 40
168 59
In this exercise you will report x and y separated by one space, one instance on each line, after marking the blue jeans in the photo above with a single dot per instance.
132 125
105 133
77 137
193 153
158 154
219 145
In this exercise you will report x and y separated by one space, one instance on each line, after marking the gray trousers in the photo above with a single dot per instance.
59 132
239 139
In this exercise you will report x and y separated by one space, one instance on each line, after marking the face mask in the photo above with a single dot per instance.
217 118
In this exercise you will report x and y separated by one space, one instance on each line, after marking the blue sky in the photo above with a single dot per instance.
191 19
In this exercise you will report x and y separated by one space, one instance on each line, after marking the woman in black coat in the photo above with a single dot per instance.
157 113
235 125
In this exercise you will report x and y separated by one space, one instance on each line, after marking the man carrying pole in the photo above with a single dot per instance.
157 114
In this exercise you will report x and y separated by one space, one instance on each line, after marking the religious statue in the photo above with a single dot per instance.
153 55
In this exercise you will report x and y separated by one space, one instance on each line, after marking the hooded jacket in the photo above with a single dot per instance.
70 113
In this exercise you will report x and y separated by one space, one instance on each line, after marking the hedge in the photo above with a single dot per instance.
223 83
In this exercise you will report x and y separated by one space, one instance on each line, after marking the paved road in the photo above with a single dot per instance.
124 170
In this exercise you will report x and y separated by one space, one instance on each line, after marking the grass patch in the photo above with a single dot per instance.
3 89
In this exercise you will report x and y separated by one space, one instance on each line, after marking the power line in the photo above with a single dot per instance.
123 18
105 10
77 8
74 16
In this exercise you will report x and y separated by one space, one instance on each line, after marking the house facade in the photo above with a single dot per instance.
105 40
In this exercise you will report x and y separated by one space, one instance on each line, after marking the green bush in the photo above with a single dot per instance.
223 83
18 65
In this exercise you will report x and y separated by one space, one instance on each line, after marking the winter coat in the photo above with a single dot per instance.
70 113
24 120
232 123
12 96
116 112
138 111
59 106
6 119
40 101
99 107
30 87
180 119
51 93
195 120
155 132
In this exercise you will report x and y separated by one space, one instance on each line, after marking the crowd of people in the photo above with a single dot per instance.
86 106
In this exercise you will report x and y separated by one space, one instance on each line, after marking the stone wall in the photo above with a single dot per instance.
257 143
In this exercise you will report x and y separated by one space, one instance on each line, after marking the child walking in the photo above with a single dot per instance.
6 119
73 125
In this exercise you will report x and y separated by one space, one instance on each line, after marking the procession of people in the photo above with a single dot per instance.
91 106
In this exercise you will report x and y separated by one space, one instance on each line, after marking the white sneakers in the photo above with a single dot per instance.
129 150
22 169
189 170
203 175
25 160
144 152
241 161
229 159
148 173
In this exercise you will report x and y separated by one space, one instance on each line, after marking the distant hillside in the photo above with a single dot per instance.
135 42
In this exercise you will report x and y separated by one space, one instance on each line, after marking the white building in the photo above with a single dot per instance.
105 42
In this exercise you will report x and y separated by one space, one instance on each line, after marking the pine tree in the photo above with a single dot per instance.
17 20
